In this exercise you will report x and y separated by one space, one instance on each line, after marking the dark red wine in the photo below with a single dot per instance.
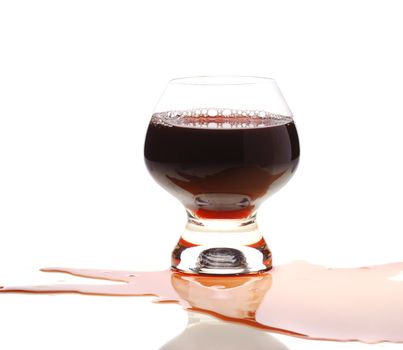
221 163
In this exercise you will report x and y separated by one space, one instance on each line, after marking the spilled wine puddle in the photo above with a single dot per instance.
298 299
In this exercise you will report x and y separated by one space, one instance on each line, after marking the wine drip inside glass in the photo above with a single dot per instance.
221 145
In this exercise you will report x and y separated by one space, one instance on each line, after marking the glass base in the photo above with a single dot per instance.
221 247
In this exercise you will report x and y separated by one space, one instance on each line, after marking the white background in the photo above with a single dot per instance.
78 83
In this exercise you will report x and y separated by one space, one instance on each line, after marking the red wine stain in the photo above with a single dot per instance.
298 299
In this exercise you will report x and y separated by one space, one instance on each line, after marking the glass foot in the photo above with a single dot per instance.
221 247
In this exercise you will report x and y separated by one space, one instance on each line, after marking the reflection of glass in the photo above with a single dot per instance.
221 145
204 332
229 296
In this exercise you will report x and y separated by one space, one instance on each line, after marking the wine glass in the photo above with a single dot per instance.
221 145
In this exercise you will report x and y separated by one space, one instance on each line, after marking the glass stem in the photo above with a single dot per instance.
221 246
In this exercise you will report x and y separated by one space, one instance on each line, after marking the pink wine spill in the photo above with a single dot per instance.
298 299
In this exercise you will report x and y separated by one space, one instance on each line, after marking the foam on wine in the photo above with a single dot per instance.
220 118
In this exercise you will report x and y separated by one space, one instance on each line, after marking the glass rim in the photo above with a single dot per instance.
221 80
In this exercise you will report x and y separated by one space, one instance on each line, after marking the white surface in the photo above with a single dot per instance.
221 335
78 82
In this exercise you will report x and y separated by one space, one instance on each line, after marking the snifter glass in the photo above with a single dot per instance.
221 145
